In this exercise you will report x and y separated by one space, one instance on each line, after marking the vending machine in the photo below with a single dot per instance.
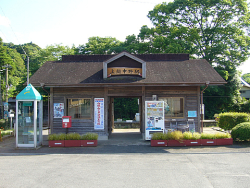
154 114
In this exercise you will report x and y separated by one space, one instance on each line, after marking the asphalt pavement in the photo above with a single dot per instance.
125 160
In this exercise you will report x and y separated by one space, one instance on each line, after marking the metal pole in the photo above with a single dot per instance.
28 70
1 98
7 86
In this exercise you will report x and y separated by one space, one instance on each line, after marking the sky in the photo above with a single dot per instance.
72 22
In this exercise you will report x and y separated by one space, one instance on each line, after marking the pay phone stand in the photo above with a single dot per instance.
66 123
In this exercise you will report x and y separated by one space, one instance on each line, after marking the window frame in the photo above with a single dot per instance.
173 117
79 98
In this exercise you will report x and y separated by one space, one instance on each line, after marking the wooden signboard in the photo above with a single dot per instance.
123 71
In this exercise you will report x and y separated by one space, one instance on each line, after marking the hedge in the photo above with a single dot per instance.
241 132
229 120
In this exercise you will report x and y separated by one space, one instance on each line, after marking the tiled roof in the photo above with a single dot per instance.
161 72
244 83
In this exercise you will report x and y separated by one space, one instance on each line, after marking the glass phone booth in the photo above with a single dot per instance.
29 118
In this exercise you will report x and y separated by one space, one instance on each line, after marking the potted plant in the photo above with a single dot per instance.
56 140
89 139
159 139
223 139
208 139
72 140
191 139
176 139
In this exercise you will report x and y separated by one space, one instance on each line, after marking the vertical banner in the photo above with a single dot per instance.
99 113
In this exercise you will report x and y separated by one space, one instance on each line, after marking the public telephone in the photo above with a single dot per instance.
66 121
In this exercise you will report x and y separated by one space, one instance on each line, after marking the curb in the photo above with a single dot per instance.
6 137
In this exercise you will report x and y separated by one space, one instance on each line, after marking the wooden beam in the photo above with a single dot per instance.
51 110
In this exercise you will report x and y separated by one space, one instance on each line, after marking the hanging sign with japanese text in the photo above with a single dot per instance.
124 71
99 113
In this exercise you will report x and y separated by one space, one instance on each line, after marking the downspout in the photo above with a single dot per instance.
202 114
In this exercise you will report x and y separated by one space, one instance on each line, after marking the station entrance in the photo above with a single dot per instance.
124 118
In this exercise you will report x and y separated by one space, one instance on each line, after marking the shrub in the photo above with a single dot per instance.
241 132
157 136
187 136
52 137
60 136
176 135
161 136
222 135
73 136
6 132
191 136
196 136
207 136
168 136
229 120
4 125
89 136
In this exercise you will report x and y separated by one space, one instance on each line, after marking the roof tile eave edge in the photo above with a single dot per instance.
130 84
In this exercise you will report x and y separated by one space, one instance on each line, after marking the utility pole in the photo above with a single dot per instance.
28 70
1 116
7 84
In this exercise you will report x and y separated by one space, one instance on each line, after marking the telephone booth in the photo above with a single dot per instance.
29 118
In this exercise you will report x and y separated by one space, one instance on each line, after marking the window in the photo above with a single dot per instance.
173 106
79 108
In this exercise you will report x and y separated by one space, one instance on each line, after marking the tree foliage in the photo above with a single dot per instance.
27 50
246 77
125 108
99 45
16 71
217 31
50 53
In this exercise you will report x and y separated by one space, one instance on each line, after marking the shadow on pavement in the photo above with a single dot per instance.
118 143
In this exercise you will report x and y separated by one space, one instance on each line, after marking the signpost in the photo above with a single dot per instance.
6 108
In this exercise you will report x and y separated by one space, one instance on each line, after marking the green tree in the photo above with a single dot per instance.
125 108
213 30
16 71
246 77
52 53
216 30
99 45
30 50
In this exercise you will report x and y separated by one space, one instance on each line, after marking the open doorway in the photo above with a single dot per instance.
124 115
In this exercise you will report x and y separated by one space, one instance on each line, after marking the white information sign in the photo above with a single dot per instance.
99 113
